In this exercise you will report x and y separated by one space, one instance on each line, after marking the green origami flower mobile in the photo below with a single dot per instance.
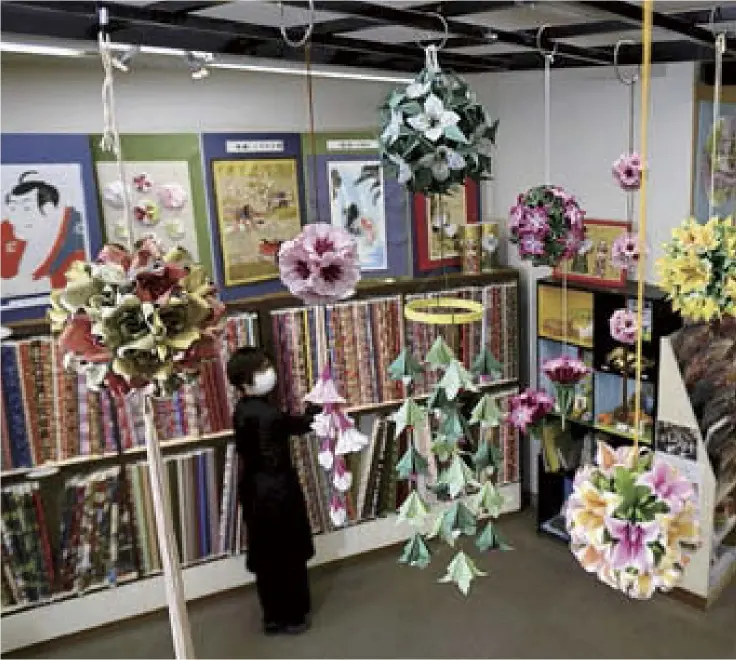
435 134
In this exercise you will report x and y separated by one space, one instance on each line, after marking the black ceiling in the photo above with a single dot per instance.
683 35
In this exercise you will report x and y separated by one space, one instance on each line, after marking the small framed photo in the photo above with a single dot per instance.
438 222
593 264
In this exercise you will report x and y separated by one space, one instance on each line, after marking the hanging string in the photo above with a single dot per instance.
720 50
644 119
110 141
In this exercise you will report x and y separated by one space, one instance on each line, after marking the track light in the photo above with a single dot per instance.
197 65
122 61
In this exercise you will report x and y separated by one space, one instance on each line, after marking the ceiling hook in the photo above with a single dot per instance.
545 53
617 68
445 30
307 33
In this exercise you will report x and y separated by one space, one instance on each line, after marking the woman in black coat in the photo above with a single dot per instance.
277 526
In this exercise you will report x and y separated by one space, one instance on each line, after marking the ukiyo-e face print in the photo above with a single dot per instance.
43 229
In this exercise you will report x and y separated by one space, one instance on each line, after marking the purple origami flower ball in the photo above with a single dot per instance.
625 251
627 171
623 326
321 265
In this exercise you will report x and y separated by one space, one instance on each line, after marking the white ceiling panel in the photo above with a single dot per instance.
611 38
396 34
528 17
265 13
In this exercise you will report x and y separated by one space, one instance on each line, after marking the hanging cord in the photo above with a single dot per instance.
717 83
630 82
646 75
110 141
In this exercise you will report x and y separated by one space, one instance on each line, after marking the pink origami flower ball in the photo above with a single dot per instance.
565 370
623 326
625 251
321 265
627 171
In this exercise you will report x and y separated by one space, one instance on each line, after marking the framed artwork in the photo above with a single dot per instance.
724 135
347 187
593 264
258 208
163 175
577 328
49 218
437 223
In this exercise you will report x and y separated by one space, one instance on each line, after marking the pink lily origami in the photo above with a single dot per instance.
349 439
326 456
324 390
632 544
342 479
667 484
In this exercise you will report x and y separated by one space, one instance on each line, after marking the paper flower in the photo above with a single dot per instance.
323 425
142 182
547 225
338 514
146 212
630 522
324 391
698 271
623 326
113 194
565 370
528 410
349 439
136 320
627 171
625 252
435 135
342 479
172 195
321 265
326 456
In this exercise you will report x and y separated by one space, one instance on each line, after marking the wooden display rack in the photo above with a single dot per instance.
704 579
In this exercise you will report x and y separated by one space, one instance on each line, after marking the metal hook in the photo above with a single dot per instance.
307 33
545 53
712 19
445 29
619 74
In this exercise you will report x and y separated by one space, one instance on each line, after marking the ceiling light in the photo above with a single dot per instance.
341 75
197 65
122 62
39 49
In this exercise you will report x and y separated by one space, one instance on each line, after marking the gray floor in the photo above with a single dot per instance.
535 602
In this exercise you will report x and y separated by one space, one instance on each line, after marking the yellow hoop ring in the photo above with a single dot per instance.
420 310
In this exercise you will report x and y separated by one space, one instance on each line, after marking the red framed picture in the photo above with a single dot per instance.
437 225
593 265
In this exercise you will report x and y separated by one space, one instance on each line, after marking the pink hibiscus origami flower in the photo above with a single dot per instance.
625 251
668 484
627 171
631 549
623 326
528 409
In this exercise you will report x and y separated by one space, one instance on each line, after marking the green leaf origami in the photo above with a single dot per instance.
409 415
440 354
415 552
456 378
457 476
482 457
456 520
485 364
412 463
405 367
486 412
490 538
487 500
413 510
451 425
443 448
461 571
438 399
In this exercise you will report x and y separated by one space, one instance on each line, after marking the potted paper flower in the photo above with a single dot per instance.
627 171
632 521
565 372
435 134
547 225
528 410
698 271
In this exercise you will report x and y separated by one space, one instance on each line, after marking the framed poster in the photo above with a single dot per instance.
256 197
163 175
724 167
593 264
49 218
347 187
258 208
437 223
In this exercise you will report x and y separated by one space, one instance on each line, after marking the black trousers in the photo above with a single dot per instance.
283 590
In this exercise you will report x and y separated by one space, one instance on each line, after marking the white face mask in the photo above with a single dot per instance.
263 382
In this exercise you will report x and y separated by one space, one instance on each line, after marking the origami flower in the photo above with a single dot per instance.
349 439
528 410
321 264
342 479
142 182
76 338
632 549
172 195
326 456
404 171
668 485
393 129
324 390
625 251
442 161
608 458
588 509
323 425
627 171
113 194
338 514
623 326
146 212
565 370
434 120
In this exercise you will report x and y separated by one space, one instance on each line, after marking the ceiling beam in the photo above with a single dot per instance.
184 6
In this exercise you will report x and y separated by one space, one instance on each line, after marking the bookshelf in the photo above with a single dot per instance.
67 613
603 403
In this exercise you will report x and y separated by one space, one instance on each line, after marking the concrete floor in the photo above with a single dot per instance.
536 602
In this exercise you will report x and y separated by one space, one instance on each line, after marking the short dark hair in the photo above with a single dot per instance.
45 192
244 363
